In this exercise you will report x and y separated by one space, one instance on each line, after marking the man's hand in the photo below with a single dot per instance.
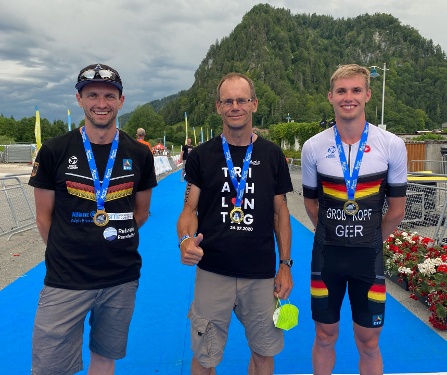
190 251
283 282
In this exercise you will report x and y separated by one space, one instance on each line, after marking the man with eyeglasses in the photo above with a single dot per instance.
235 206
92 189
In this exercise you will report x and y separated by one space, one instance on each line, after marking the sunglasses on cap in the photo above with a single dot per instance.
102 73
99 73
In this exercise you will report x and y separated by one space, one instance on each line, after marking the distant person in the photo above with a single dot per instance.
348 171
92 189
141 133
235 207
186 149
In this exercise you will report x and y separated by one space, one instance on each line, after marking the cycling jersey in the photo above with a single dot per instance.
383 173
347 250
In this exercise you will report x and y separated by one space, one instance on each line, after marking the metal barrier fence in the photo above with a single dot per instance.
17 207
425 209
430 166
294 164
18 153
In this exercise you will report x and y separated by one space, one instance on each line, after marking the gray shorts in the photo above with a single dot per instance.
59 326
215 298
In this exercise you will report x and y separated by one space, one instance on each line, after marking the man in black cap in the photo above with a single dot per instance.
92 190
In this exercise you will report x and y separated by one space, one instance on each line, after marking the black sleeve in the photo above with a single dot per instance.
42 175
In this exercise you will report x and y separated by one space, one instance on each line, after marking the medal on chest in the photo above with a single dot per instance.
100 218
351 207
237 214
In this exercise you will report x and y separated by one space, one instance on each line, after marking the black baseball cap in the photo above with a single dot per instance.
99 73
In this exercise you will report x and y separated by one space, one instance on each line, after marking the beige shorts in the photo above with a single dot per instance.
59 326
215 298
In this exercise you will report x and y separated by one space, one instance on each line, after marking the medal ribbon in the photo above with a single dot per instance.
238 186
100 189
351 180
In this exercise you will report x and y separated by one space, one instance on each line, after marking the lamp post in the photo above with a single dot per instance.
374 74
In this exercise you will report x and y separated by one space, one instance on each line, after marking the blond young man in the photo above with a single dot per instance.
348 171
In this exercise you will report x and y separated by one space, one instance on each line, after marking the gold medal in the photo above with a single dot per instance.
236 215
101 218
351 207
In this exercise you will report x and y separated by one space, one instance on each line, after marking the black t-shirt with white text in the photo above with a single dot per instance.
247 249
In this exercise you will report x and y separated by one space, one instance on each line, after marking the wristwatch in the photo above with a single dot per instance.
287 262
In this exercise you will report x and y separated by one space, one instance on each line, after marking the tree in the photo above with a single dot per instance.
145 117
8 127
214 121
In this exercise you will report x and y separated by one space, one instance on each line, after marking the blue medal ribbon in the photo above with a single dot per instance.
238 186
351 179
100 189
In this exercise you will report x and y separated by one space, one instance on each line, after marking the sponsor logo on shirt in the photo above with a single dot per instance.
331 152
35 168
377 320
79 217
127 164
72 162
112 234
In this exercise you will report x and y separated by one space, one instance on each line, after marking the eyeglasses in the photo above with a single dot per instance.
239 101
103 73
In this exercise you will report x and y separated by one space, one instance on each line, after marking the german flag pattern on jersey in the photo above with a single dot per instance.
85 191
363 189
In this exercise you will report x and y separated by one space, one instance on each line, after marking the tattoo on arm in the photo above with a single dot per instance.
284 197
188 190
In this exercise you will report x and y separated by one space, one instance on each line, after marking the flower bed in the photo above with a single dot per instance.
420 262
399 281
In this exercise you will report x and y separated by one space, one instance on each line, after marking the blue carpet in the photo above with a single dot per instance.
159 337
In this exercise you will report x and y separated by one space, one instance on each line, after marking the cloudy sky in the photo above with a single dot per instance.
155 45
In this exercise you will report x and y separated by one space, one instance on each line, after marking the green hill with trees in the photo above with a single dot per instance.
291 58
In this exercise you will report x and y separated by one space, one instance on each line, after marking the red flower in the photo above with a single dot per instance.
426 240
404 254
442 268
